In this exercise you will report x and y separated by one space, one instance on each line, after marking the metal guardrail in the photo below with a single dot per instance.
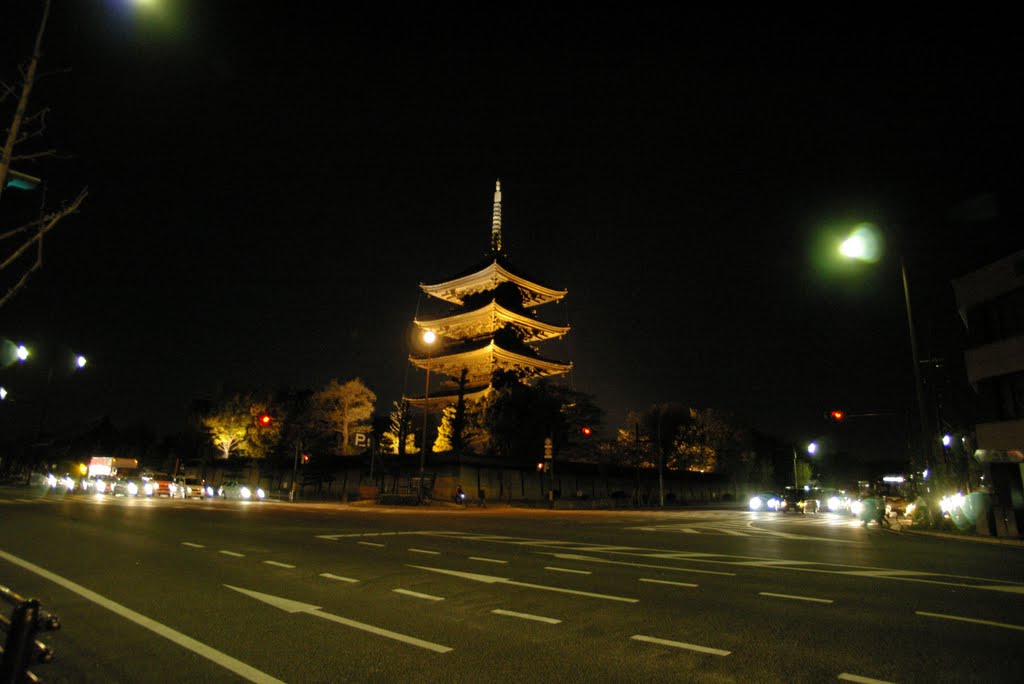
21 648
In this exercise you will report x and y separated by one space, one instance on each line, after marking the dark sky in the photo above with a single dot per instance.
269 184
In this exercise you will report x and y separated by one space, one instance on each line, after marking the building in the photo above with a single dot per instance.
991 304
490 325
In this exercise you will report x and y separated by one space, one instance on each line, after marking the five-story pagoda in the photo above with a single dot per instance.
491 326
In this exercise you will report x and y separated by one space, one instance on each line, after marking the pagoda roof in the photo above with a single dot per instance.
487 319
446 397
480 363
487 276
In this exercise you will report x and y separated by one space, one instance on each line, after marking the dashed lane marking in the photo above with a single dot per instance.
680 644
278 565
339 578
416 594
232 553
674 584
554 568
974 621
795 598
527 616
193 545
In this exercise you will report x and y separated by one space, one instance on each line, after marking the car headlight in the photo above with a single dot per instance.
833 503
245 493
220 491
756 503
149 489
101 486
209 491
133 488
51 480
857 507
260 493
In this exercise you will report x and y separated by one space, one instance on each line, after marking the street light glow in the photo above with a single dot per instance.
863 244
80 361
429 337
23 352
812 448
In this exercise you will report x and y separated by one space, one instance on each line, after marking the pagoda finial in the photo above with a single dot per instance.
496 219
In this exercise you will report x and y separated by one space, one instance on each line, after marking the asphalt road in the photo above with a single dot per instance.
162 590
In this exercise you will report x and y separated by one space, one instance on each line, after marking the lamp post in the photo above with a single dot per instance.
863 245
812 449
429 337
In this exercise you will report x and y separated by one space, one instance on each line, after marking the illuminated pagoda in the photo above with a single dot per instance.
491 326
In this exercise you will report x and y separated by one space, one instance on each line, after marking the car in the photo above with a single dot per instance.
98 484
188 487
765 501
128 486
238 490
157 484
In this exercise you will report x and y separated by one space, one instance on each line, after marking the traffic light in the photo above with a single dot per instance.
586 431
264 420
837 415
540 467
305 458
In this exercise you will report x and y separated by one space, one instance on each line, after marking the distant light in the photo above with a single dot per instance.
894 478
812 448
947 440
429 337
924 475
3 393
80 361
863 244
23 352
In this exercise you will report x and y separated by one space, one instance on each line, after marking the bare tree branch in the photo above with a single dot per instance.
50 222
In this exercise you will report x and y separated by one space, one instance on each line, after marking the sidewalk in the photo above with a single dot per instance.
963 536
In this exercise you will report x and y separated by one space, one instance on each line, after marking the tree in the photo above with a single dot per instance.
343 409
700 442
400 436
24 126
228 424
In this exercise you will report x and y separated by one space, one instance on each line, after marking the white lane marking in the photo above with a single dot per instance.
432 553
417 594
491 579
227 662
795 598
1012 590
847 677
232 553
895 574
370 544
278 565
290 606
488 560
680 644
338 577
771 563
675 584
527 616
194 546
592 559
575 572
972 620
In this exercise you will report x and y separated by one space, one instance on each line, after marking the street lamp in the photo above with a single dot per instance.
812 449
864 244
429 337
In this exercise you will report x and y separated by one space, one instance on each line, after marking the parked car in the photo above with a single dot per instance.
239 490
187 487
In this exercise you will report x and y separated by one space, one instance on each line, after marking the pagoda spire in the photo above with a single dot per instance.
496 219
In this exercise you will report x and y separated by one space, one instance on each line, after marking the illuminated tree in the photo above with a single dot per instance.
344 409
400 437
228 425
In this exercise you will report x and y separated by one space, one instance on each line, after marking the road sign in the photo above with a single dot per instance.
548 447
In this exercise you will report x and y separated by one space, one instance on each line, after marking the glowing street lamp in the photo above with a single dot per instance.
23 352
429 338
812 448
80 361
865 244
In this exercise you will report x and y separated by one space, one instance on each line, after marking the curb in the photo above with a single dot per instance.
1003 541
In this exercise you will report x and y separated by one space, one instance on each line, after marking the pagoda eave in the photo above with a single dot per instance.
489 277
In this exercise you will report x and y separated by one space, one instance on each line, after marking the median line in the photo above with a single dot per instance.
416 594
795 598
279 565
527 616
674 584
680 644
575 572
971 620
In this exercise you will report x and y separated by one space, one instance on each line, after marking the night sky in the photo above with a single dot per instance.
269 184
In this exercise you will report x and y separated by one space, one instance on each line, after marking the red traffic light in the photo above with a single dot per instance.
540 467
586 431
837 416
264 419
305 458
